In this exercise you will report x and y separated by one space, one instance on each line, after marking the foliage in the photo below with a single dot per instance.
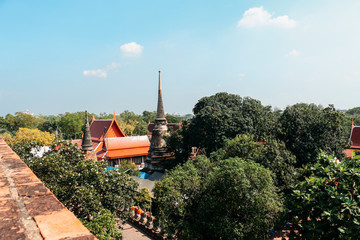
240 202
129 167
325 205
353 111
71 125
20 120
83 186
143 199
179 143
223 116
307 129
27 136
103 226
176 197
271 154
232 199
128 127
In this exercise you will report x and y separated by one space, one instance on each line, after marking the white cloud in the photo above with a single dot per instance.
101 73
95 73
241 76
258 16
131 49
293 53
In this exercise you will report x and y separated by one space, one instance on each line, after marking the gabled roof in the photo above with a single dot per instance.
112 128
355 137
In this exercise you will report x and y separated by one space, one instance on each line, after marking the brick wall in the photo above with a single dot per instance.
28 210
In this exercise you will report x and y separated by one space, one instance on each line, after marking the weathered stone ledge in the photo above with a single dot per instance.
29 210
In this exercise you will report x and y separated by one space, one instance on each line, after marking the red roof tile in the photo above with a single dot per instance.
355 137
97 128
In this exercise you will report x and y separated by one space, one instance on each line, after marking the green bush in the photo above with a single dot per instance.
325 205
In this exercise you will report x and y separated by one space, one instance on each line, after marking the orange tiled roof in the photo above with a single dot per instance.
125 147
126 142
124 153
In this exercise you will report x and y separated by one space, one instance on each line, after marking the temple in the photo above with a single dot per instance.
354 141
108 142
158 155
87 144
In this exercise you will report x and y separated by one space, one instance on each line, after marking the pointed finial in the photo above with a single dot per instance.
114 118
352 123
160 108
159 82
93 117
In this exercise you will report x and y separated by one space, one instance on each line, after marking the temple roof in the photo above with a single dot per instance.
355 137
123 147
126 142
97 129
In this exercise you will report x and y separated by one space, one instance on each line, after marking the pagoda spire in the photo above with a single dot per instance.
86 144
160 107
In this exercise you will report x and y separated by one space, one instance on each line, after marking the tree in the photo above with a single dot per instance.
353 111
83 186
271 154
27 136
71 125
179 143
240 202
223 116
325 204
176 197
232 199
307 129
143 199
103 226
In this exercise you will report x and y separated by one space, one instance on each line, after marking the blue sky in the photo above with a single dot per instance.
104 56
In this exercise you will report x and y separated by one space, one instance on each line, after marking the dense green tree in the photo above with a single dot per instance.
325 204
223 116
21 120
179 143
231 199
176 197
49 124
240 202
307 129
353 111
149 116
71 125
271 154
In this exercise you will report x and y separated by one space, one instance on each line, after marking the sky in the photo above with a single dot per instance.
104 56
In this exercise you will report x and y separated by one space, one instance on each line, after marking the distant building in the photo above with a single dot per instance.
354 141
110 143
